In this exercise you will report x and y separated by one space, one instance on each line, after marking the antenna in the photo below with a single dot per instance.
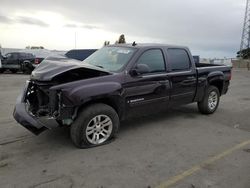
134 44
245 39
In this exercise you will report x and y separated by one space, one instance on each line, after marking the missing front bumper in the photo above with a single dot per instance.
32 123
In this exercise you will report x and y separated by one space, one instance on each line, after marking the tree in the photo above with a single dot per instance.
244 54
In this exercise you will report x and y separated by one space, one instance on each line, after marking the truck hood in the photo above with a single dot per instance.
55 66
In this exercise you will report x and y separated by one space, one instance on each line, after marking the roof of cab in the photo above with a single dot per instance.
146 45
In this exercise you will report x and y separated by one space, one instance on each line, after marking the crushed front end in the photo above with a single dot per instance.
45 102
39 107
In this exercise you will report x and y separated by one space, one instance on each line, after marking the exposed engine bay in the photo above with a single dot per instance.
40 99
43 101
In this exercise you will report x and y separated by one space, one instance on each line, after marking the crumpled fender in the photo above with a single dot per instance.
84 92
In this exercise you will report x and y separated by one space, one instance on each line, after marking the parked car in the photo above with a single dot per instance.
79 54
19 61
40 53
114 83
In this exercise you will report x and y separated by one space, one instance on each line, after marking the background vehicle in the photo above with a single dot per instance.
19 61
114 83
79 54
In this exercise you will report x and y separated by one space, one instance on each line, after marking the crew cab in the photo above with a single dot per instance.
19 61
115 82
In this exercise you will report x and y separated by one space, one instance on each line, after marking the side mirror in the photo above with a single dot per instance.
140 69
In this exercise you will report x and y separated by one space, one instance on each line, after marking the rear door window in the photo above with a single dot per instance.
178 59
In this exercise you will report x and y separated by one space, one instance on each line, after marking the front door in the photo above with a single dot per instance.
149 91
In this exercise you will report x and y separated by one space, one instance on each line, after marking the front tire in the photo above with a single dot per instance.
94 126
210 102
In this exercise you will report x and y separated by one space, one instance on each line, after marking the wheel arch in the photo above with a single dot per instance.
81 95
26 64
219 84
216 79
115 102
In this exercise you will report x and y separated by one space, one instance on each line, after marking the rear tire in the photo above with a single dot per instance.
210 102
94 126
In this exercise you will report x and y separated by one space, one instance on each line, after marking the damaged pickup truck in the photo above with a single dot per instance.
117 81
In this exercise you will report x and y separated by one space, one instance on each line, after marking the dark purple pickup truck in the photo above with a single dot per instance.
115 82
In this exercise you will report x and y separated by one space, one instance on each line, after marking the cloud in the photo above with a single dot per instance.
205 26
4 19
23 20
31 21
90 27
71 25
84 26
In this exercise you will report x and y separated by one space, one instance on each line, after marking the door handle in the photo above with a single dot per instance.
190 78
188 81
164 81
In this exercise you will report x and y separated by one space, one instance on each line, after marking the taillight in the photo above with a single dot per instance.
36 61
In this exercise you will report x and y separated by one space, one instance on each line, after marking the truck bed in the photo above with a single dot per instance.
207 65
206 69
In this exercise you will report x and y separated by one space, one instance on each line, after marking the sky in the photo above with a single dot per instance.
210 28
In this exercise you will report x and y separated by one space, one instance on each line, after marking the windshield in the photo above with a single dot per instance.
110 58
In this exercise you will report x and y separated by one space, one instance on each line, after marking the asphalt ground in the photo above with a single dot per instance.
177 148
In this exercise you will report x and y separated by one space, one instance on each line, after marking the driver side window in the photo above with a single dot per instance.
153 59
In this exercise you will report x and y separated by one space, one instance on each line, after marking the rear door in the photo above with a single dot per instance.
182 76
150 91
